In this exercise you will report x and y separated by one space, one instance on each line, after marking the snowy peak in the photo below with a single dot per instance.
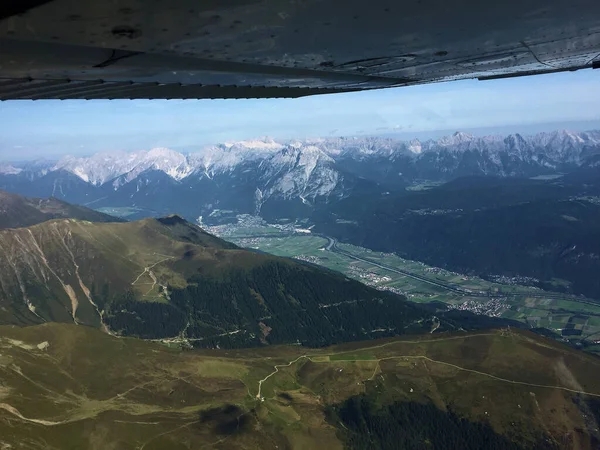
215 159
99 168
300 156
359 147
515 141
560 140
267 176
103 167
457 138
299 170
266 144
165 160
309 165
415 146
9 169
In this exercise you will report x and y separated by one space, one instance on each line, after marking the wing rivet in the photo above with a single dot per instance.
126 31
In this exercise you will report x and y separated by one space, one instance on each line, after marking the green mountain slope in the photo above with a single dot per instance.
547 231
66 386
166 278
18 211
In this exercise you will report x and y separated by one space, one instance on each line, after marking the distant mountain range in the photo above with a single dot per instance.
514 205
290 178
472 205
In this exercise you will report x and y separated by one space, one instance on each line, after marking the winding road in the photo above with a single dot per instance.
417 357
276 367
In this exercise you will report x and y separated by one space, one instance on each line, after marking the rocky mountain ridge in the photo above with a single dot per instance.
550 149
291 177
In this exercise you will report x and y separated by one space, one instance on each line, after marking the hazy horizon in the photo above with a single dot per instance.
527 105
525 130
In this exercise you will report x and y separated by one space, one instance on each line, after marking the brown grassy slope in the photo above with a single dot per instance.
54 271
17 211
74 387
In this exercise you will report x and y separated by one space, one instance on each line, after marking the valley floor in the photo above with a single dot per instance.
574 318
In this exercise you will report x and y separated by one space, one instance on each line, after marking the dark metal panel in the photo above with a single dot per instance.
30 88
46 60
9 8
98 89
224 92
68 88
324 44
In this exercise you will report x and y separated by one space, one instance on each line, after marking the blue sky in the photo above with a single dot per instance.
54 128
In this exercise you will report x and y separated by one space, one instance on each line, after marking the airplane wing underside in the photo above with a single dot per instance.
107 49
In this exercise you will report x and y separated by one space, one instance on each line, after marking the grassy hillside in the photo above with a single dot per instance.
56 270
17 211
167 279
66 386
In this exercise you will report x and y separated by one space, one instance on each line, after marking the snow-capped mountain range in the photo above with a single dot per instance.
248 176
104 167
